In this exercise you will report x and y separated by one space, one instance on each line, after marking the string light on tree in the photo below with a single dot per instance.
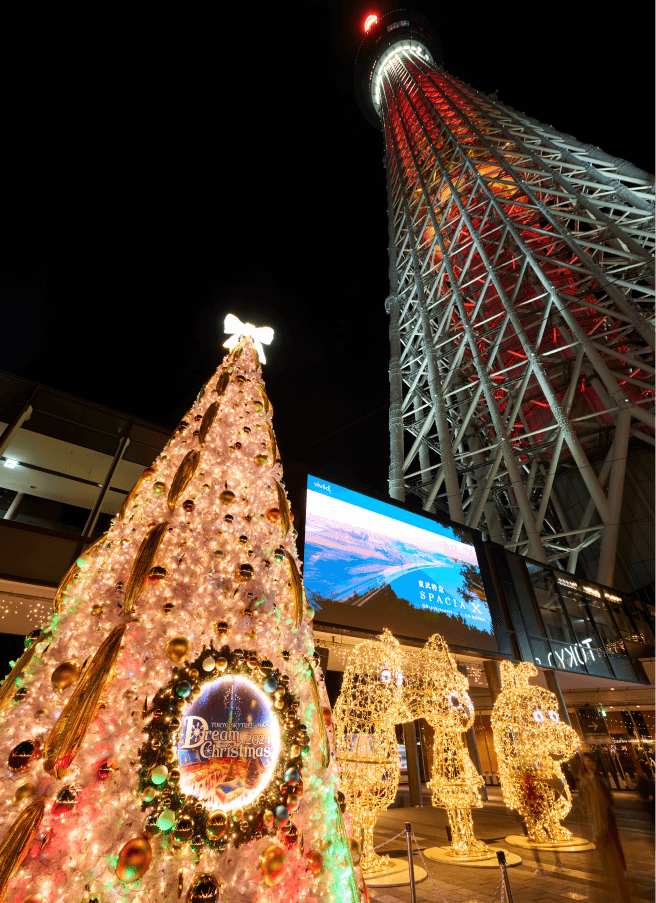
165 734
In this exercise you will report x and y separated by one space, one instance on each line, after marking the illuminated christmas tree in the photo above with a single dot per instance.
165 734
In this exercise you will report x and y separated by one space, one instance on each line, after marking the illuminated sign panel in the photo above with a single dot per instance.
370 564
228 744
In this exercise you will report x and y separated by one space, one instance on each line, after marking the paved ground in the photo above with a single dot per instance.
581 876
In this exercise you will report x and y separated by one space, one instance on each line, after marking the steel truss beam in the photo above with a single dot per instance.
521 315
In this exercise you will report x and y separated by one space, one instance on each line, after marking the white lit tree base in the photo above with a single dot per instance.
397 875
485 861
573 845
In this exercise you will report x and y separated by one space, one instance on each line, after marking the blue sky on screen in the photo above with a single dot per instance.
337 503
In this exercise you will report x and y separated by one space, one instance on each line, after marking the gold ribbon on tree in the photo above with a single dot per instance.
65 739
18 841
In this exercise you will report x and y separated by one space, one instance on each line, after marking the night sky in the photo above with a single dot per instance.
165 167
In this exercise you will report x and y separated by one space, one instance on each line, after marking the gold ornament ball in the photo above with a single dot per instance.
237 814
96 609
40 713
218 554
272 865
216 824
327 715
159 488
314 862
354 847
221 663
227 497
134 860
294 751
268 818
221 628
193 674
260 460
168 608
24 792
157 575
64 675
183 830
279 704
178 648
205 889
33 898
244 572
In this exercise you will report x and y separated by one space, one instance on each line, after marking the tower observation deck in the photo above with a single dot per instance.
521 309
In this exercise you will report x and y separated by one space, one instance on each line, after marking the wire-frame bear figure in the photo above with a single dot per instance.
438 692
530 742
369 706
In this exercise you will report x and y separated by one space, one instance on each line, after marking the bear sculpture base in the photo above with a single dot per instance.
573 845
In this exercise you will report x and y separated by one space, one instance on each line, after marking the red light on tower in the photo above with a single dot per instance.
370 21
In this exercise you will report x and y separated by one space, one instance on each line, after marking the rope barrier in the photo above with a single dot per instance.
499 893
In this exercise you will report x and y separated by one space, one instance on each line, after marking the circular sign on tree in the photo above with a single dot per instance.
223 760
228 744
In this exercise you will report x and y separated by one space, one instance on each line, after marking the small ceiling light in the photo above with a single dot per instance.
10 463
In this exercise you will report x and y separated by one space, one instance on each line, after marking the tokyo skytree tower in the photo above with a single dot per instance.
521 306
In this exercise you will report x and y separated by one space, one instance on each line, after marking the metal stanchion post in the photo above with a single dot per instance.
411 863
501 856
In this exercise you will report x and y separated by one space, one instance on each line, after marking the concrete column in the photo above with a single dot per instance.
12 428
414 775
493 677
552 683
472 745
10 513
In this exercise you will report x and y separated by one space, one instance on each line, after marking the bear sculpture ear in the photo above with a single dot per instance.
507 670
523 672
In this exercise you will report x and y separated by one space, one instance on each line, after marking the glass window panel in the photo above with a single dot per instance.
622 618
553 616
569 657
541 652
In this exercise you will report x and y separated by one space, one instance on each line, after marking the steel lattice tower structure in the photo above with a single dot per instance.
521 305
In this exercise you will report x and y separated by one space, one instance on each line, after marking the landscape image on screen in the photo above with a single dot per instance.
369 564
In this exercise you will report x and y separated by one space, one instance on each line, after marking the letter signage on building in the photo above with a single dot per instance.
228 744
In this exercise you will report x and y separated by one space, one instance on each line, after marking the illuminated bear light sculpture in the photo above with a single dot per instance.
437 691
364 718
531 742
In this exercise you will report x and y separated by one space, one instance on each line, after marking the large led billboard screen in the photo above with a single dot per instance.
371 565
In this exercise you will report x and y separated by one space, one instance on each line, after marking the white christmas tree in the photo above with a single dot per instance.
166 733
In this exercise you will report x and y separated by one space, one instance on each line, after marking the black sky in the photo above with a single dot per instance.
163 169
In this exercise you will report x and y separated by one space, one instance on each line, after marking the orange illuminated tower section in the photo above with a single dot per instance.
521 309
